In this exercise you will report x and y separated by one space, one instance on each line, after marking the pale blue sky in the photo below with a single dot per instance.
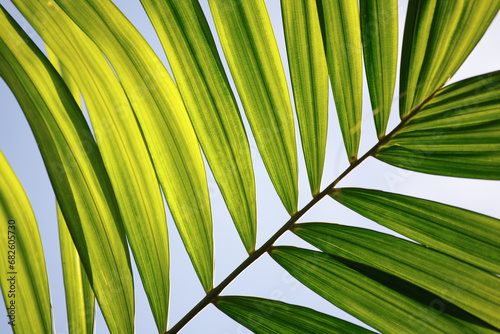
264 278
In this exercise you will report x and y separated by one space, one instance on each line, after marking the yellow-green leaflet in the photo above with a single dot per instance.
438 37
164 123
457 133
343 52
24 283
80 300
121 144
199 74
248 41
468 236
309 73
368 300
76 171
271 316
379 32
470 288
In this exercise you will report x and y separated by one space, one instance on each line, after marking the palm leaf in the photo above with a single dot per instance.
343 51
270 316
211 106
468 287
438 37
469 236
124 152
250 48
164 123
373 303
309 74
156 126
468 321
379 31
76 171
24 282
80 299
457 133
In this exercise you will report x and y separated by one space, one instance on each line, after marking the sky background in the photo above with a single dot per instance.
264 278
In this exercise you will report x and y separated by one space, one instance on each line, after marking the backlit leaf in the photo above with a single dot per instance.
438 37
248 41
24 283
468 287
371 302
343 51
457 133
379 28
468 236
202 82
270 316
80 300
164 124
120 141
76 171
309 73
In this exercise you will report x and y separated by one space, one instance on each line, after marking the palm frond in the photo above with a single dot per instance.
151 129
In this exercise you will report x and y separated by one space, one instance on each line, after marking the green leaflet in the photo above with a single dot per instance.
468 287
164 123
247 38
309 73
76 172
121 144
24 283
379 32
468 236
80 300
343 51
371 302
457 133
270 316
424 297
438 37
202 82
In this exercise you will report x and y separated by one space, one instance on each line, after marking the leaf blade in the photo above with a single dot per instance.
368 300
24 282
437 39
379 32
125 155
192 54
343 54
270 316
439 226
80 298
468 287
309 74
164 122
247 38
455 134
73 162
